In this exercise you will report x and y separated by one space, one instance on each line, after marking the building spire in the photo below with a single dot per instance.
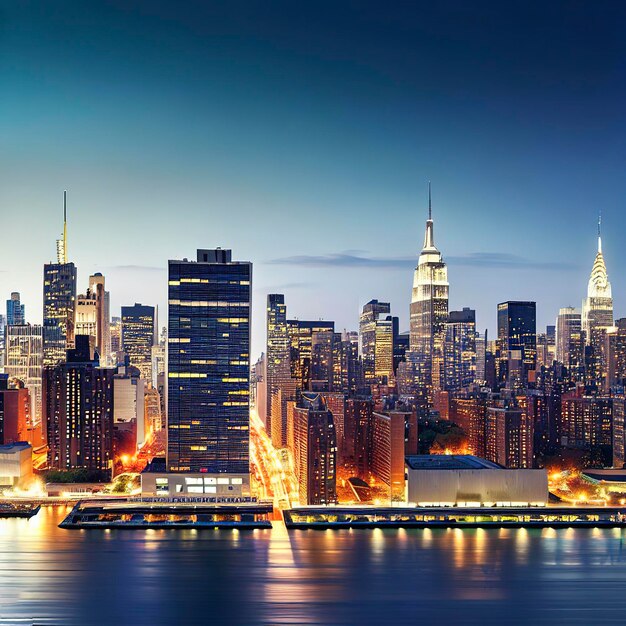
62 243
600 231
430 209
429 236
65 226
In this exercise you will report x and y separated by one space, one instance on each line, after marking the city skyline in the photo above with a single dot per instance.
353 264
277 115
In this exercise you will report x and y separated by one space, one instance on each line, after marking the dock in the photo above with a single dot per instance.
336 517
158 515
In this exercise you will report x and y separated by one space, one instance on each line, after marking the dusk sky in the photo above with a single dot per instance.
303 137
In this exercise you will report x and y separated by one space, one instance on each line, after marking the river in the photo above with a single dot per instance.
472 576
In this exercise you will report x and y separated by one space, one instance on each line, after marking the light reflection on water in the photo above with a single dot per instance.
471 576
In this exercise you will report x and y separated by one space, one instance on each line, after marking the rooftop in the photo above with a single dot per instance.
449 462
14 447
607 475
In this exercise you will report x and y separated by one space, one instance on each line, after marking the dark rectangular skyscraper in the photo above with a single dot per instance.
78 410
209 364
138 337
59 295
517 342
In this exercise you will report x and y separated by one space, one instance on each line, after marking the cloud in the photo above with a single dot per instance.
356 259
136 268
505 260
344 259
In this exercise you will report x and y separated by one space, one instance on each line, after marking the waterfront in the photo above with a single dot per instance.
472 576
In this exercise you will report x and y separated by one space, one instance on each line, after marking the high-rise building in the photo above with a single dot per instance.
619 431
615 351
517 343
301 345
429 314
546 348
388 450
59 296
24 360
376 341
78 408
322 360
570 340
139 327
103 317
347 366
587 423
314 450
277 369
509 437
481 358
209 365
115 330
16 311
597 315
470 414
14 413
460 350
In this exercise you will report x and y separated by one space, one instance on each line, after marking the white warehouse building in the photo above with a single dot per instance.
469 481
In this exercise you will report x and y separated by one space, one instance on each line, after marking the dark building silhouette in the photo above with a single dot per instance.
209 364
78 410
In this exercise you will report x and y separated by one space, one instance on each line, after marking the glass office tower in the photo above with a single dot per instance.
138 337
209 364
59 295
517 343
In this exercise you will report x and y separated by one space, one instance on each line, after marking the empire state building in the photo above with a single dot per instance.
429 314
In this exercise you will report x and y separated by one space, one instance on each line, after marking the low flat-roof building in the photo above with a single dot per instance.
156 481
466 480
16 464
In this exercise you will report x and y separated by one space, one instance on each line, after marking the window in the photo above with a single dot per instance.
210 481
193 481
237 481
194 489
210 489
222 481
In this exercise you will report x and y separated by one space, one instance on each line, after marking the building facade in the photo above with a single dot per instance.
517 344
139 326
78 410
209 364
314 451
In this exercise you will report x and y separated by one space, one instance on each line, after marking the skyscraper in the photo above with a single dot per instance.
209 364
597 313
460 349
59 296
24 360
314 451
301 339
517 343
278 368
429 314
138 337
615 355
509 437
376 334
569 338
78 408
16 311
103 317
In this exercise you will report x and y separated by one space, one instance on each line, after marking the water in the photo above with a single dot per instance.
54 576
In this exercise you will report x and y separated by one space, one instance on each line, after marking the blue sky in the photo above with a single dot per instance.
303 137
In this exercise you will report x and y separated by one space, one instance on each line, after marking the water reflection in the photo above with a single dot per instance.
473 576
